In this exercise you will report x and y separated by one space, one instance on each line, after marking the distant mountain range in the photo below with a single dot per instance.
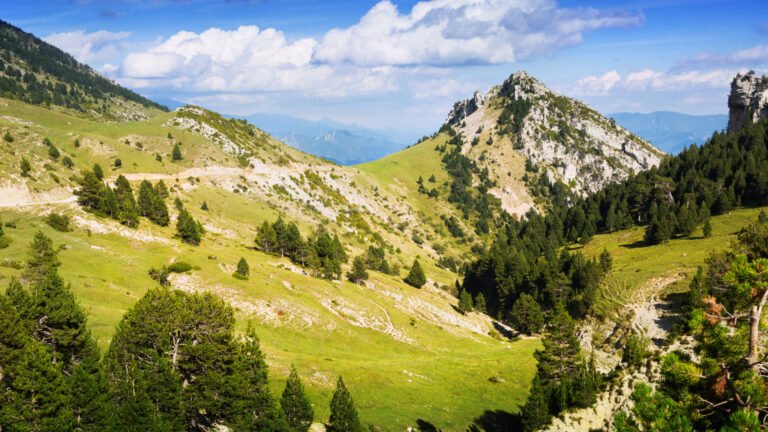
345 144
671 131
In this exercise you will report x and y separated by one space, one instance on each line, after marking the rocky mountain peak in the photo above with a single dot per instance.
523 122
749 97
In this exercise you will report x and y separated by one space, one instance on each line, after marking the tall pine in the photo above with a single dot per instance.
344 416
296 405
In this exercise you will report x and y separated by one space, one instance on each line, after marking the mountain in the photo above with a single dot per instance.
523 124
671 131
341 143
748 100
36 72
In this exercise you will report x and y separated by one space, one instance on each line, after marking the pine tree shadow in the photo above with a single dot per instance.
496 421
425 426
636 245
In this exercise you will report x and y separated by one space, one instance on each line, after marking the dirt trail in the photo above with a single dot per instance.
20 196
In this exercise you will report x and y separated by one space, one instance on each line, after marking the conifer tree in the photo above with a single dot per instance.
252 406
707 229
91 192
188 229
162 189
465 302
344 416
606 261
266 238
561 347
296 405
42 259
98 172
176 155
526 314
535 412
243 271
25 167
146 199
480 305
126 203
416 277
358 273
204 207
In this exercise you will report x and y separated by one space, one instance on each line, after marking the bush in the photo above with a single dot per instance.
160 275
7 137
180 267
118 163
5 241
53 152
58 222
67 162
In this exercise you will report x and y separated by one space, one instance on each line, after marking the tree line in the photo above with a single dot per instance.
174 364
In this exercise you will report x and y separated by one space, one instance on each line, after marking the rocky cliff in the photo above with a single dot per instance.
748 99
557 137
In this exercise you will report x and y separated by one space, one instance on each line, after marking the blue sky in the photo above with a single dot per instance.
400 64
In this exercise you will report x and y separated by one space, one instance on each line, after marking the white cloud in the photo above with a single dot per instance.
599 85
89 48
756 53
372 56
651 80
450 32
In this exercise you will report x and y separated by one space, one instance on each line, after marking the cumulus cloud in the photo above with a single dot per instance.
599 84
89 48
651 80
370 56
450 32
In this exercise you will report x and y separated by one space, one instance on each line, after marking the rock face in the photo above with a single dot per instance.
557 137
749 97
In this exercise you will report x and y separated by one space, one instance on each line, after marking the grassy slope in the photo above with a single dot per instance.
635 264
441 376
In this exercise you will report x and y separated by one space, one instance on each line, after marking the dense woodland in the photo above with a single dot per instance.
174 364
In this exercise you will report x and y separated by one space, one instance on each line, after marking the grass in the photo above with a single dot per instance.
441 375
635 264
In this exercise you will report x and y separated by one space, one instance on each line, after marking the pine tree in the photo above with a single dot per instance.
176 156
146 199
416 277
25 167
344 416
535 412
707 229
204 207
243 271
606 261
296 405
43 259
53 152
98 172
480 305
465 302
162 190
561 347
252 407
126 203
266 238
358 273
188 229
526 315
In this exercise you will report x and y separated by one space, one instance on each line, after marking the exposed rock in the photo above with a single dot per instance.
748 98
465 108
566 139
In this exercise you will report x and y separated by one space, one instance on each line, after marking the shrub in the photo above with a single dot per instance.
58 222
7 137
118 163
67 162
180 267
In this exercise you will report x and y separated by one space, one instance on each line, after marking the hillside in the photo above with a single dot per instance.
559 136
36 72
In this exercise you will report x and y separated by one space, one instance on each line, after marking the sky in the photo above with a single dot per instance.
400 65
